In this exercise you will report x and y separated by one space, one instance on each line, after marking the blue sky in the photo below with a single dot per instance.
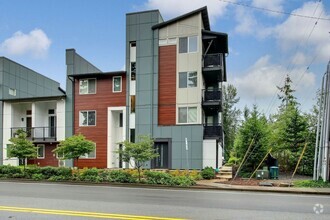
264 46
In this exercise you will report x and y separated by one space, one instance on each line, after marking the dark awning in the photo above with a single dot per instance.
219 41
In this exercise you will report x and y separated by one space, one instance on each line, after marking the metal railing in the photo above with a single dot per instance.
37 133
212 95
212 60
214 131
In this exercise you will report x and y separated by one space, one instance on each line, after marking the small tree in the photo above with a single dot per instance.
138 153
21 147
74 147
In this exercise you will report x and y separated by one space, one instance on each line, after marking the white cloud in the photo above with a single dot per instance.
36 43
295 31
299 58
172 8
246 25
260 81
275 5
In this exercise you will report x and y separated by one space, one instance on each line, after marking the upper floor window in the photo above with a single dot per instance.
116 85
188 44
187 79
87 86
12 92
87 118
133 71
187 114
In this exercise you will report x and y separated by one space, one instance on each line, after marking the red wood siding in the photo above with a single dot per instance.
99 102
50 157
167 85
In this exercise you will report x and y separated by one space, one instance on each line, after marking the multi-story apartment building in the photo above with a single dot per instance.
34 103
171 90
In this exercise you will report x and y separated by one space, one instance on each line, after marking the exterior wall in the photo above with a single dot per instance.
167 85
138 26
99 102
50 157
209 152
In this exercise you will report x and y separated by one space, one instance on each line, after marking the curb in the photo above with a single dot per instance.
196 187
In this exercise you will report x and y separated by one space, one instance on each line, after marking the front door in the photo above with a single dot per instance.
28 126
161 162
52 126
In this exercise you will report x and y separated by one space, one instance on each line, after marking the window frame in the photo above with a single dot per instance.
187 114
80 124
113 84
188 43
80 93
187 79
86 157
39 146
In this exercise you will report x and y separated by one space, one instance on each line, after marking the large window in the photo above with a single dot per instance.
133 71
87 118
187 114
132 103
188 44
187 79
41 151
91 155
87 86
116 84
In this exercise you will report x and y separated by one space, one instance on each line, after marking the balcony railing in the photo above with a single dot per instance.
212 131
212 60
37 133
212 95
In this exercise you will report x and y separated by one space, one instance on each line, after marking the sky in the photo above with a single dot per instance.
264 46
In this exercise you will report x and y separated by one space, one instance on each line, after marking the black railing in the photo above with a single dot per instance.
37 133
212 60
212 131
212 95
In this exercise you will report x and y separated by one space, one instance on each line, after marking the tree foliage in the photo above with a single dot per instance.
138 153
21 147
230 117
74 147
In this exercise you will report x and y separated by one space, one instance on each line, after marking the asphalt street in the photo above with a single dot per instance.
61 201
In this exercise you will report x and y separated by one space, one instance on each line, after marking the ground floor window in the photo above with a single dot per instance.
41 151
187 114
91 155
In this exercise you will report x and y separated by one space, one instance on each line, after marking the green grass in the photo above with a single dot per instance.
311 184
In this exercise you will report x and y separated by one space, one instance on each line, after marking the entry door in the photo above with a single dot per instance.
161 162
28 126
52 126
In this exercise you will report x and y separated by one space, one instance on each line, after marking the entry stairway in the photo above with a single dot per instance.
225 173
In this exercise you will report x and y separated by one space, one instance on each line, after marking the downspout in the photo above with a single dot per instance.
326 130
323 106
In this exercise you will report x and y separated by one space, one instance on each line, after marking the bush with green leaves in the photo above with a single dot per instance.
183 181
8 171
38 176
208 173
153 177
29 171
118 176
90 175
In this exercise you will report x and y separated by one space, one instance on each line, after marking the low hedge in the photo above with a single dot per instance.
175 178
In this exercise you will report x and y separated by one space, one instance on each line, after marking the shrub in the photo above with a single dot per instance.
208 173
311 184
159 178
29 171
90 175
194 174
183 181
49 171
64 171
9 171
119 176
38 176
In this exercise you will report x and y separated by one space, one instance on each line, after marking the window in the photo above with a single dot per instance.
41 151
12 92
8 150
187 79
132 103
116 84
187 114
91 155
188 44
120 120
87 118
132 135
87 86
133 71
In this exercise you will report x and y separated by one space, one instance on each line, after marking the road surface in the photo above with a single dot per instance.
60 201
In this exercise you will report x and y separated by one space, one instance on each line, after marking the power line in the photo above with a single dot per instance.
274 11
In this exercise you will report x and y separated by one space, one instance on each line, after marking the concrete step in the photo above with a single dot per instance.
227 177
225 174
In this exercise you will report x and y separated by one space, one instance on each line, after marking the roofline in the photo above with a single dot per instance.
202 10
113 73
46 98
140 12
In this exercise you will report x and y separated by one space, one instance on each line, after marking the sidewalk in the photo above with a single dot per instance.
215 184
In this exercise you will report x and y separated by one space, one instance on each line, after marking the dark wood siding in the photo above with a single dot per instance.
167 85
50 157
99 102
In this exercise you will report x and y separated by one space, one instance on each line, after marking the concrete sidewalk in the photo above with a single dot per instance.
221 186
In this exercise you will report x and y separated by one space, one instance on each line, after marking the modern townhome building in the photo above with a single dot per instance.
96 108
34 103
175 71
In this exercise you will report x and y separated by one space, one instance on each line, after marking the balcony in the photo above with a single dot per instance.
37 134
213 67
211 100
212 131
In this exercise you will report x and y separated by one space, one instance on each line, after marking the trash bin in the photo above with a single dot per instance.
273 172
